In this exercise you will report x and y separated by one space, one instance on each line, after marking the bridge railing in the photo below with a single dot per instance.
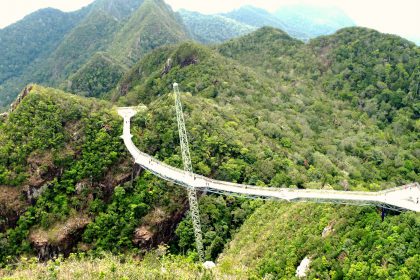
257 188
245 186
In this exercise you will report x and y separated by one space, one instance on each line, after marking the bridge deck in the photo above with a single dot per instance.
405 197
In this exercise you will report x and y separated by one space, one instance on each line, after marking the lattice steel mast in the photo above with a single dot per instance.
186 158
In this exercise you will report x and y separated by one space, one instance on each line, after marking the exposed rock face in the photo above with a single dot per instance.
3 116
143 236
20 97
33 192
158 227
189 60
59 239
303 268
328 229
11 206
119 174
168 67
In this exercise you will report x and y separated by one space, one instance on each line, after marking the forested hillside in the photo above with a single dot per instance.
125 30
49 47
342 242
31 39
340 112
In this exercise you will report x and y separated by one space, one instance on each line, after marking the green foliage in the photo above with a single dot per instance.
106 25
157 264
275 239
378 73
97 77
30 39
45 122
41 123
264 109
220 218
153 25
322 139
121 217
274 53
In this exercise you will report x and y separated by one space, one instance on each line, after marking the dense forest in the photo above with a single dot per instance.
339 112
111 28
50 47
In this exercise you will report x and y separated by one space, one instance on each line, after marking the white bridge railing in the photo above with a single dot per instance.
404 197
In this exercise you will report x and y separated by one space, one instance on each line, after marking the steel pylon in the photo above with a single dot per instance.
186 159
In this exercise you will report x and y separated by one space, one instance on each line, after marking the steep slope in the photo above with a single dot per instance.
124 30
245 125
314 20
92 33
327 141
343 67
63 156
273 53
29 40
120 9
154 24
150 26
97 77
342 242
213 28
46 134
90 36
33 37
378 72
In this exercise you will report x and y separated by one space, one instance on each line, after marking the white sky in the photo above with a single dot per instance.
400 17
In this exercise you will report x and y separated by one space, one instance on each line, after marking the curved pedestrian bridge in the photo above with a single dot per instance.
401 198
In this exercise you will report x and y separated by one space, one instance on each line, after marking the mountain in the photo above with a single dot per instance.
119 9
258 17
340 242
365 70
97 77
258 49
213 28
314 20
339 112
33 37
153 25
125 30
92 32
299 21
31 40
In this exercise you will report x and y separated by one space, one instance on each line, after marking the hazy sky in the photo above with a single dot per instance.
400 17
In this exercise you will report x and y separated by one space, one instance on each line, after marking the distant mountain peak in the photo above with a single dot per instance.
119 9
314 20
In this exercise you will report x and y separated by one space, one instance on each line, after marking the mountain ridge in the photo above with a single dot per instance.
339 112
103 27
